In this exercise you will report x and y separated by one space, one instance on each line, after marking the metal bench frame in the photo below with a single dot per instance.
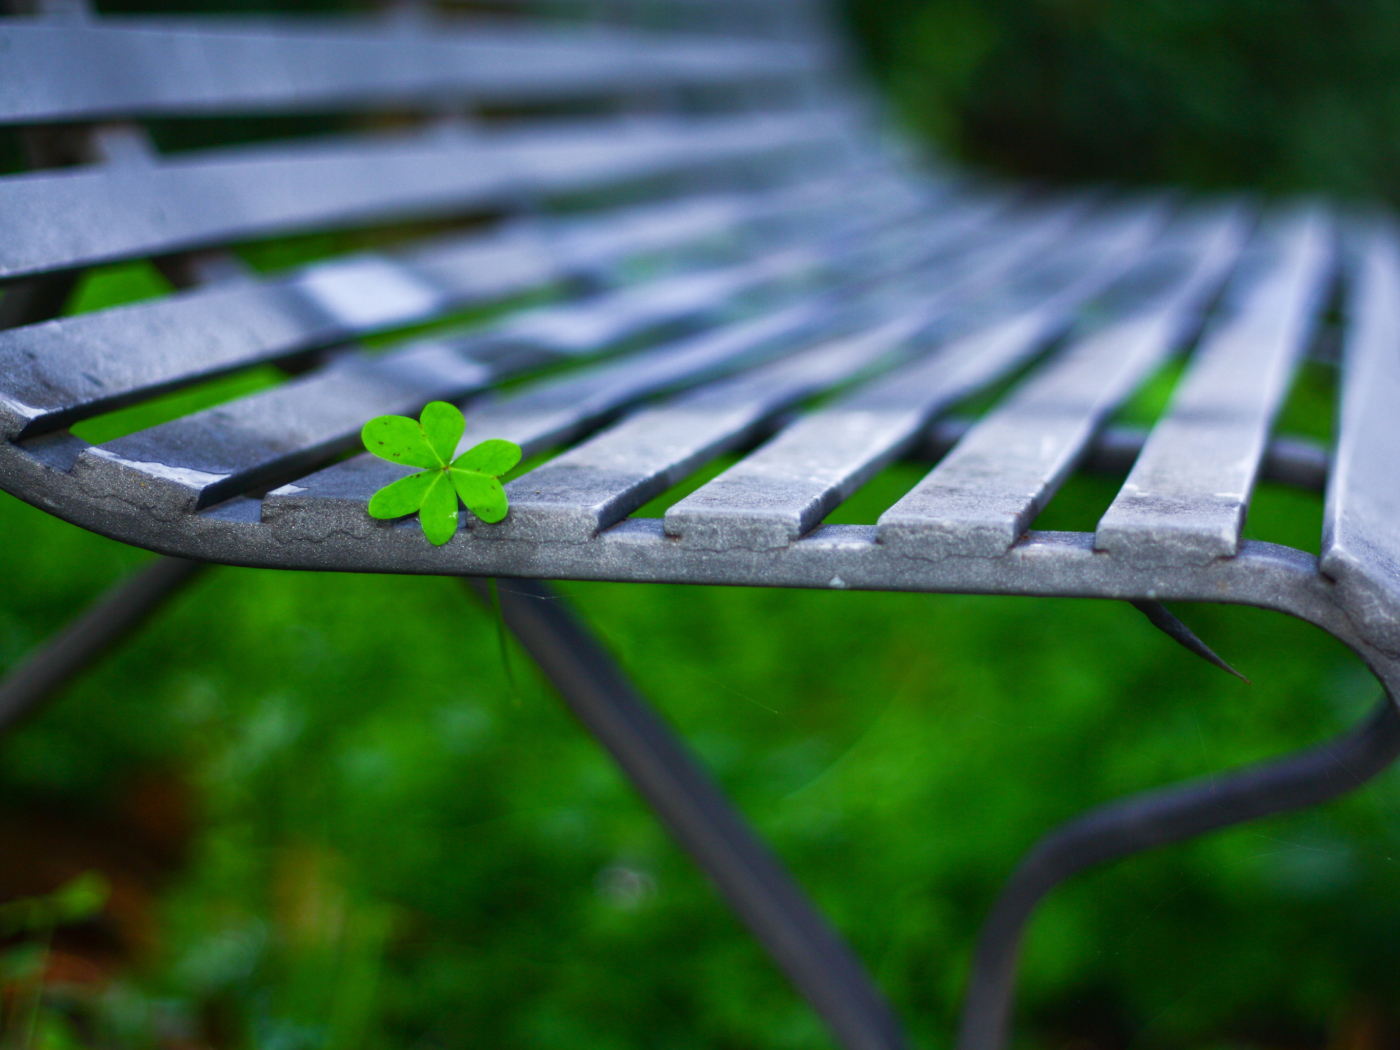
843 272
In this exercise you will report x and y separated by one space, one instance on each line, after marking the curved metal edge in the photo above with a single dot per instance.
1146 821
1049 564
1296 462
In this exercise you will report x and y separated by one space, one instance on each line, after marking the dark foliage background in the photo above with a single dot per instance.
1284 95
328 819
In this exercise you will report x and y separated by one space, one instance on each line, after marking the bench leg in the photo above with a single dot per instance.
814 958
1157 818
121 610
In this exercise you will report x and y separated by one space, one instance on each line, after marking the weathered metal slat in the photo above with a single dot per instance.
553 412
123 68
582 328
984 495
592 487
56 373
1186 497
531 419
1298 462
556 411
1361 520
863 247
753 219
847 246
784 489
82 216
599 483
208 456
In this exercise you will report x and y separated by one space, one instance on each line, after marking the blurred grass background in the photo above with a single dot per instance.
327 820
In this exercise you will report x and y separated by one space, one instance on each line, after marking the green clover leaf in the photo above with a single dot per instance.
429 443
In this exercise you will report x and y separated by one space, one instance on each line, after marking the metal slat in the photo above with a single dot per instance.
56 373
208 456
552 412
58 71
60 371
83 216
1186 497
599 483
584 328
783 490
555 411
596 485
761 218
859 247
1299 462
984 495
849 245
1361 520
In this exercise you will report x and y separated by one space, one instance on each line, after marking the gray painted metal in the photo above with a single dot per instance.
1299 462
783 490
246 531
554 412
54 374
983 497
1361 523
1188 493
586 327
208 456
600 482
61 70
91 214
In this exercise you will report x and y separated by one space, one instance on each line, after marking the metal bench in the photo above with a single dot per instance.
730 261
